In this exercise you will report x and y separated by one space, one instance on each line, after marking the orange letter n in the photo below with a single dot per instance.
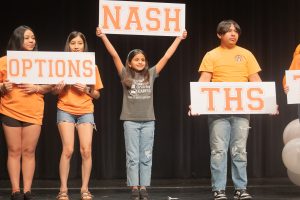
107 14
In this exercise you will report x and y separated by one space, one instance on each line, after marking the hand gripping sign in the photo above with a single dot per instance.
142 18
38 67
233 97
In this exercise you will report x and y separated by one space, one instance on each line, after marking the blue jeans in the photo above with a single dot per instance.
139 138
228 131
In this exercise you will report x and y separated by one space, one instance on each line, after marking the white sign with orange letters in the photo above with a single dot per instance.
142 18
41 67
293 81
233 97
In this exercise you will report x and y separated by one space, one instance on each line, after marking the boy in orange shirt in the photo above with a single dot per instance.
229 63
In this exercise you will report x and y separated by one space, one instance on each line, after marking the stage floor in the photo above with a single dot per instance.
262 189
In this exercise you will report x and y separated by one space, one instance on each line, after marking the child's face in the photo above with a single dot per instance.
29 40
138 62
76 44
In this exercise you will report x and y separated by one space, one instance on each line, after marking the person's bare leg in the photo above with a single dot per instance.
85 133
30 137
66 131
13 141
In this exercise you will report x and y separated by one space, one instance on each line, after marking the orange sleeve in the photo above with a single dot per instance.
297 50
2 69
295 65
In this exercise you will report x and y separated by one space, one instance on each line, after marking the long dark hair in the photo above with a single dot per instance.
130 72
73 35
16 39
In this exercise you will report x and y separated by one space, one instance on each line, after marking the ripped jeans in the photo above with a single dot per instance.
228 131
139 138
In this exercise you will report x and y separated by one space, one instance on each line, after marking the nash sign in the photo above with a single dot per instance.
142 18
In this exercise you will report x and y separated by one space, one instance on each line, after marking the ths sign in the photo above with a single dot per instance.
142 18
233 97
38 67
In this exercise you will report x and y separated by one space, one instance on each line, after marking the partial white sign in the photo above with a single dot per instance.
233 97
37 67
293 81
142 18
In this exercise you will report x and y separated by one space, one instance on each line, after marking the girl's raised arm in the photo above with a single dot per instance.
110 48
163 61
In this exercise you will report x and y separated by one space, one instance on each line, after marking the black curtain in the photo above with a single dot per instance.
270 29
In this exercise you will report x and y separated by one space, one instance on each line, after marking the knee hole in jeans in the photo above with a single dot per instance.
218 154
238 153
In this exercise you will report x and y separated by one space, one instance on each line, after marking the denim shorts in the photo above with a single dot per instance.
63 116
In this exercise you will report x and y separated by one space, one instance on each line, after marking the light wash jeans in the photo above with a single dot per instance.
139 138
228 131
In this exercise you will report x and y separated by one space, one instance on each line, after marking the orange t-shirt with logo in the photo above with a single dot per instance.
229 65
19 105
75 102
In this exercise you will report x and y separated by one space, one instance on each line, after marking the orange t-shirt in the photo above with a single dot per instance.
75 102
297 50
229 65
19 105
295 65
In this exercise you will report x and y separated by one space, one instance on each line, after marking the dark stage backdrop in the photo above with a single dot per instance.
270 29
